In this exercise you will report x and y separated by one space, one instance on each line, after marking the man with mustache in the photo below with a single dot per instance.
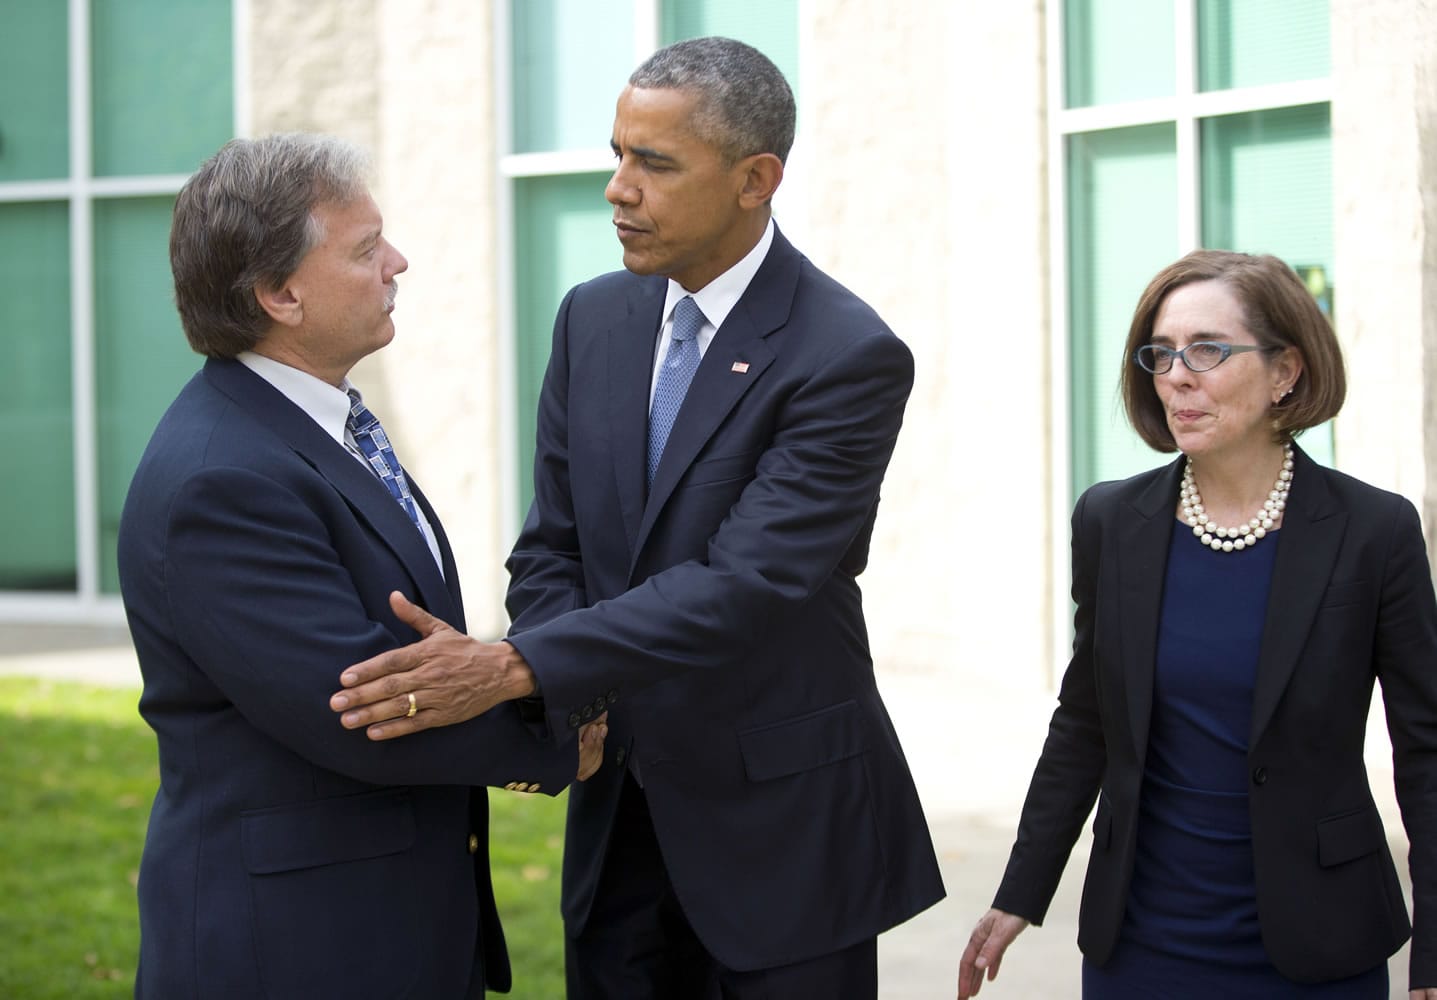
265 528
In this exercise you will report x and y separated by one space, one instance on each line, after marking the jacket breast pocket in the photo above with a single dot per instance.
803 743
1341 595
722 469
330 880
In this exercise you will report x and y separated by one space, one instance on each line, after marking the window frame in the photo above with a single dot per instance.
79 191
1186 109
516 167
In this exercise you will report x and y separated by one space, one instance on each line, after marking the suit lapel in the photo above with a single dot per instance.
1307 547
364 493
630 373
733 363
1144 536
446 556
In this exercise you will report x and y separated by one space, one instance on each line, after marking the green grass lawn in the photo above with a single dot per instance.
77 773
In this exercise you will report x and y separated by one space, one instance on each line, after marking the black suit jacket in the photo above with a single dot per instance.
287 856
720 621
1351 603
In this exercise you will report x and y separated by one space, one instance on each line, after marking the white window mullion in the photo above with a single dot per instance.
1189 205
240 76
510 168
1059 365
647 28
82 310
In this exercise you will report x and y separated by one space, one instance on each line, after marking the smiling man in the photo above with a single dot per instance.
713 430
265 528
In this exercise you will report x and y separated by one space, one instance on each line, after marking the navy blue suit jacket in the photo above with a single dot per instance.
287 856
718 614
1351 603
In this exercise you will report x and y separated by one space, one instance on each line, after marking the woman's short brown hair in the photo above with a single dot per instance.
1278 310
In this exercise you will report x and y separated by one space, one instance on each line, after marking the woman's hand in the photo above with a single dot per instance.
986 945
1428 994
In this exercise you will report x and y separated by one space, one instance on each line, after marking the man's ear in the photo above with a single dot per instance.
763 172
281 304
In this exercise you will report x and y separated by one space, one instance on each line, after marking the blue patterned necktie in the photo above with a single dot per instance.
675 373
374 444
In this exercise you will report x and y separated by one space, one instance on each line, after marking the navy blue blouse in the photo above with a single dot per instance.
1191 927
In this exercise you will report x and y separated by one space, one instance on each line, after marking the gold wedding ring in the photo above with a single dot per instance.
412 707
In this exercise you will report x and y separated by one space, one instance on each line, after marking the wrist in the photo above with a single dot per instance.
519 680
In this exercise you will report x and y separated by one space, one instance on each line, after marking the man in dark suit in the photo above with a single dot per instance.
265 528
690 564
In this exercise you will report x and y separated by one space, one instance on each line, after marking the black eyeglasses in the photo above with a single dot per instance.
1199 356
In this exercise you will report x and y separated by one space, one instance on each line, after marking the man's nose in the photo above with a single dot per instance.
619 191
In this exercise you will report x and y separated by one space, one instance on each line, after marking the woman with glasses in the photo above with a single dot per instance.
1234 610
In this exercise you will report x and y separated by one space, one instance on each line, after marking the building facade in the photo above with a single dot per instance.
998 180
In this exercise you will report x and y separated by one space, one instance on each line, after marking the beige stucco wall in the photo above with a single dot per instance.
412 81
927 195
1384 149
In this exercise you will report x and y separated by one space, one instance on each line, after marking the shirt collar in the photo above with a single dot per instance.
717 299
322 402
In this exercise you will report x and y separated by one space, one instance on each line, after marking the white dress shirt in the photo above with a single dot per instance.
329 408
715 300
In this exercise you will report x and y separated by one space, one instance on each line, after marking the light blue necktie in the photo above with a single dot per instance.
676 371
374 444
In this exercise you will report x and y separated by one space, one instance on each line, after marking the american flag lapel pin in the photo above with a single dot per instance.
739 366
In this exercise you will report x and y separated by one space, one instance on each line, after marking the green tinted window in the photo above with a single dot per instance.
570 60
34 91
563 234
1118 50
1267 188
161 84
771 26
1122 228
35 399
1246 43
141 356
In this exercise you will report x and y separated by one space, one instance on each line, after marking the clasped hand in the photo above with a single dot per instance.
445 678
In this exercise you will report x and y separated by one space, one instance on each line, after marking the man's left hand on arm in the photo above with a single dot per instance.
451 677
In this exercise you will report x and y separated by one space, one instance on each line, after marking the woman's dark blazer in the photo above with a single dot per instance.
1351 602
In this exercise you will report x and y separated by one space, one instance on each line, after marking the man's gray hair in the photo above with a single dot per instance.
745 105
245 220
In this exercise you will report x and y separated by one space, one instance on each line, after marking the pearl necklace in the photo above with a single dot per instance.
1244 536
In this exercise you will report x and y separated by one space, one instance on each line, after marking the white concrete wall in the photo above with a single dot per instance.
1384 145
925 135
412 81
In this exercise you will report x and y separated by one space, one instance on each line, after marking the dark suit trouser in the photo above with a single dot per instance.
638 945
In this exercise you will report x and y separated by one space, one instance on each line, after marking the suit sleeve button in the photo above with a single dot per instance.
534 787
474 843
588 712
619 755
613 696
1259 776
574 720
